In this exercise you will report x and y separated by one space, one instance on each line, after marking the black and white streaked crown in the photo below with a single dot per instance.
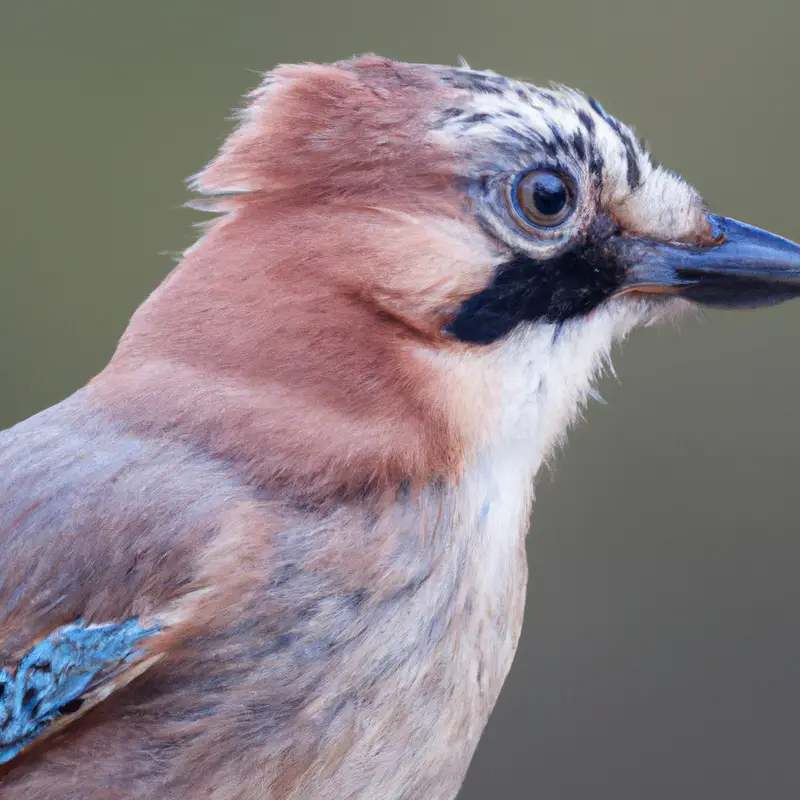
508 123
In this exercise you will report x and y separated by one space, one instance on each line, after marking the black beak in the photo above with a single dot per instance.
745 267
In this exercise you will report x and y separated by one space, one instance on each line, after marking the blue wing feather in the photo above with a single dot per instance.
55 673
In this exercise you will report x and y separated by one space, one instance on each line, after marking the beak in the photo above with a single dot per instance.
744 267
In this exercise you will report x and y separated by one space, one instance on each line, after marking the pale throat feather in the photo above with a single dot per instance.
544 375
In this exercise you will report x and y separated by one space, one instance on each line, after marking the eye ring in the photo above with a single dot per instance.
541 198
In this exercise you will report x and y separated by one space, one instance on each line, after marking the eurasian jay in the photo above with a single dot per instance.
276 548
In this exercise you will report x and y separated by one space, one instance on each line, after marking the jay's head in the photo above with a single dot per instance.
398 240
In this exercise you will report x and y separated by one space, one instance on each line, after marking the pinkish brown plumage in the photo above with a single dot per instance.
307 471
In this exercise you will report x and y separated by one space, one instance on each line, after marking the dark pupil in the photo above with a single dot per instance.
549 195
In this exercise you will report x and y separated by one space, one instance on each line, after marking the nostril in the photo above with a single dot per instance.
715 233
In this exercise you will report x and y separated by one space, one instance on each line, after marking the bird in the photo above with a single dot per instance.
276 547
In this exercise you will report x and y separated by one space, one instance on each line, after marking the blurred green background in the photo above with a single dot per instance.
661 651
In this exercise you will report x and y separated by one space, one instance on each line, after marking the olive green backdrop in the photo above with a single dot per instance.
661 651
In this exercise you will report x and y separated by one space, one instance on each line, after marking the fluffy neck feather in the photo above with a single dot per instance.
260 349
538 379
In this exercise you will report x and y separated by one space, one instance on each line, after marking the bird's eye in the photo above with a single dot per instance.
541 198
